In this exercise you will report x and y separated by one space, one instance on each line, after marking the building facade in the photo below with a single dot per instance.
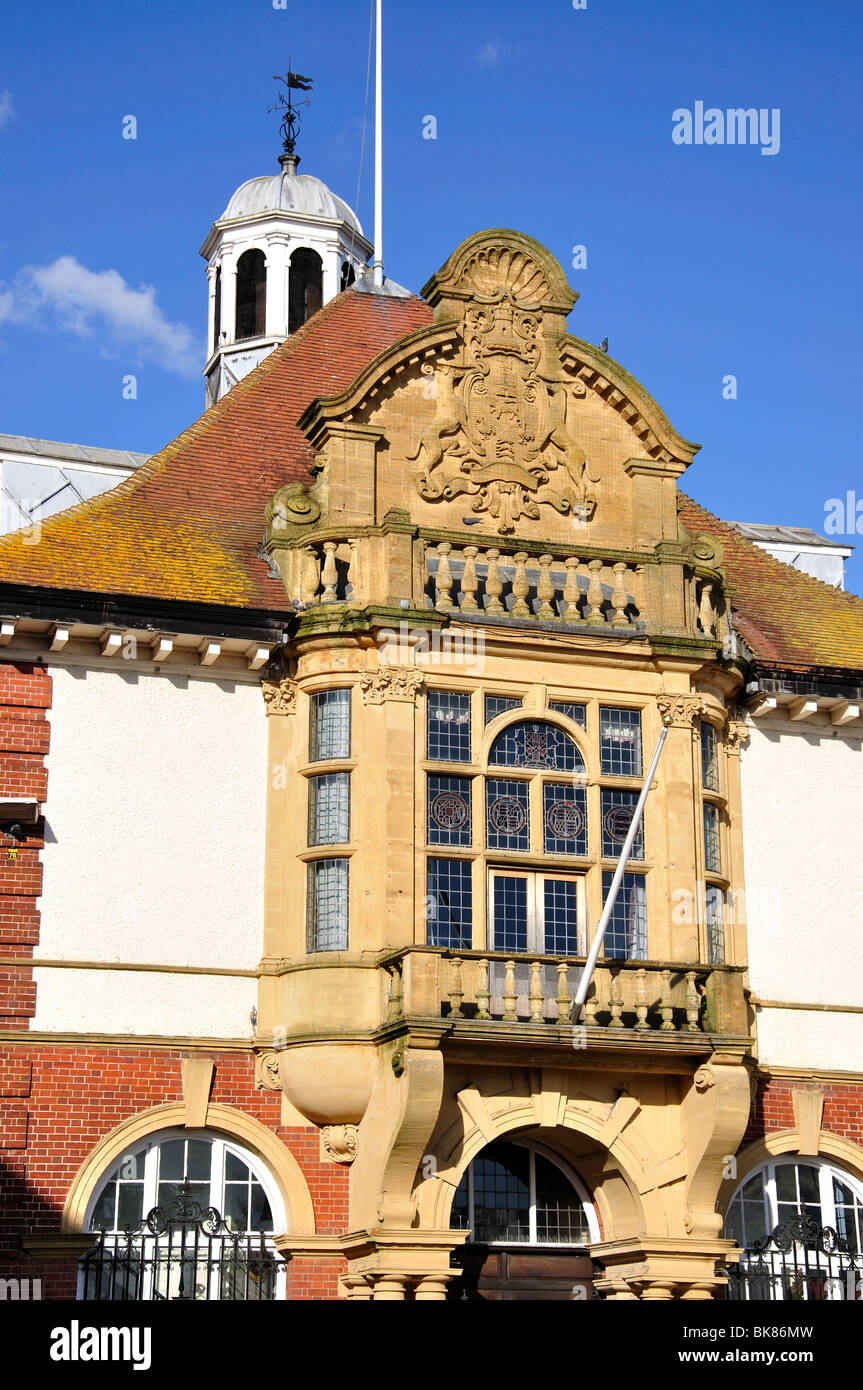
312 833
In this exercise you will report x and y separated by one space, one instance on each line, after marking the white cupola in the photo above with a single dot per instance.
284 246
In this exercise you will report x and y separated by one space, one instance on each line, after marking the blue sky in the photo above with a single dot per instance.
703 261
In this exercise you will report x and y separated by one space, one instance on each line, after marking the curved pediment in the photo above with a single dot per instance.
495 404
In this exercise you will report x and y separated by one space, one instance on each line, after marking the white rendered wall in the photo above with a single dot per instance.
803 847
154 853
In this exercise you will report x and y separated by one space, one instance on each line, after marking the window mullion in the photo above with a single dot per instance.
532 1195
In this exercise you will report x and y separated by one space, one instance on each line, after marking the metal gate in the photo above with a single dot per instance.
800 1261
184 1252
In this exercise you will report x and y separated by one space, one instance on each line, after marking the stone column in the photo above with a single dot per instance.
432 1289
390 1288
276 323
229 296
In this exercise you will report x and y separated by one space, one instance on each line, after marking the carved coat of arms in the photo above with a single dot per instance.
503 422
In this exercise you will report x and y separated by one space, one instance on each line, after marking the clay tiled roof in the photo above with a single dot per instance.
187 524
789 619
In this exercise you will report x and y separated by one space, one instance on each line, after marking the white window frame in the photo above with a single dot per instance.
536 907
150 1198
572 1178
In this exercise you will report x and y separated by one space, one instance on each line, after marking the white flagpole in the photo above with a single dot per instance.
596 947
379 154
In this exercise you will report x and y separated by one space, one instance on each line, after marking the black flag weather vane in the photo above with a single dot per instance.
290 127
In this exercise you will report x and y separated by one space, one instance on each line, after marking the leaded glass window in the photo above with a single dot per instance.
577 713
330 725
509 908
329 808
709 760
449 909
507 816
327 905
449 819
515 1196
618 808
500 704
712 851
620 742
448 726
564 818
626 933
560 912
785 1189
536 746
715 900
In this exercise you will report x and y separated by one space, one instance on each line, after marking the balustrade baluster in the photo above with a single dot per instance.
641 1004
355 573
666 1007
443 579
395 1001
545 589
483 993
615 1003
571 592
594 594
591 1003
693 1004
510 998
520 586
456 989
330 573
705 609
310 575
535 997
469 581
619 597
493 584
564 999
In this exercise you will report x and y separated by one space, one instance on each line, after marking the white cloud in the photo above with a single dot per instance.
489 54
7 111
90 304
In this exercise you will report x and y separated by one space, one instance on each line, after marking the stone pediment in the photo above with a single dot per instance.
491 411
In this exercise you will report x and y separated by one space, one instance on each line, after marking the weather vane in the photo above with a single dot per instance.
290 126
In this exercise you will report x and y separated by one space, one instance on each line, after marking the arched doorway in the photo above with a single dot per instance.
530 1220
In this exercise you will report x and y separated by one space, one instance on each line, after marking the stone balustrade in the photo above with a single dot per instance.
499 583
623 995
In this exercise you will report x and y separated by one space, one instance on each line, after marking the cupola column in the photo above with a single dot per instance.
229 296
211 309
277 285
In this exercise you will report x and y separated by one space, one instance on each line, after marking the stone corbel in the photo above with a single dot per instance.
339 1144
267 1076
715 1113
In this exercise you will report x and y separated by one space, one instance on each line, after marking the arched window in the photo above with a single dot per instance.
251 294
512 1194
348 276
800 1224
184 1216
305 287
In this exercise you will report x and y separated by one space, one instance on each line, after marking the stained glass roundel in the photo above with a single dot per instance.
535 745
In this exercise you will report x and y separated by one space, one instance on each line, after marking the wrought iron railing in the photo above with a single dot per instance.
800 1261
186 1252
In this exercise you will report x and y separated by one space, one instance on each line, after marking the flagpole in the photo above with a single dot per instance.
607 910
379 157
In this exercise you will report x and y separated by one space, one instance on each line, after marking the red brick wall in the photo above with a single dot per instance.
773 1109
25 697
57 1103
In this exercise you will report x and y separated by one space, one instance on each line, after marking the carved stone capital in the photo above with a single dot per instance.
339 1143
280 697
391 683
681 711
736 735
267 1071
